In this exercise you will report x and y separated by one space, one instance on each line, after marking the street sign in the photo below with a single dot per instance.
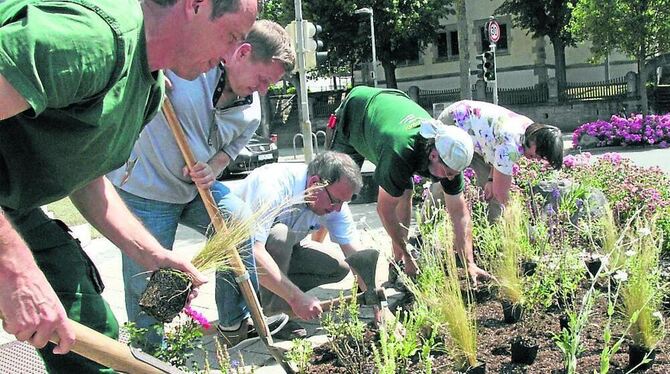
494 31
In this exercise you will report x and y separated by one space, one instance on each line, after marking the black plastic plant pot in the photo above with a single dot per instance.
593 265
636 355
564 322
166 294
511 312
480 368
529 268
524 350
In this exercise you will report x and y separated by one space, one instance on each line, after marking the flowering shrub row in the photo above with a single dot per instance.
635 130
629 188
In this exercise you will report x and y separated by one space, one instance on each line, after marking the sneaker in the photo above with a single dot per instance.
232 338
291 331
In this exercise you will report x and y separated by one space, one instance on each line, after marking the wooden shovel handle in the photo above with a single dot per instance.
105 350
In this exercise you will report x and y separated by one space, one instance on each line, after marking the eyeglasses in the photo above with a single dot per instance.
334 202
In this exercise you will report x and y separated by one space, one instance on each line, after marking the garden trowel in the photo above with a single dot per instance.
114 354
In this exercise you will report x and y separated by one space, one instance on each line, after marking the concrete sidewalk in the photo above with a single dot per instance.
108 260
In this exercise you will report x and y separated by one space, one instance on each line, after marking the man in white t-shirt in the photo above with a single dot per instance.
500 138
289 262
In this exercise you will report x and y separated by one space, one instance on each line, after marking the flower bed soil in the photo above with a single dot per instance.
494 345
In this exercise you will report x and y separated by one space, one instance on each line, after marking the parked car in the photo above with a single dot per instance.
258 152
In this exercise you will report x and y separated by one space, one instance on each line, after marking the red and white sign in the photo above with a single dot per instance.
494 31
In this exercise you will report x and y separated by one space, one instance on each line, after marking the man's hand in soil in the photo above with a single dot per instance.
30 308
306 307
171 259
476 273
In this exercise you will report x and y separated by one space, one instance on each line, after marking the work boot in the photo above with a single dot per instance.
246 330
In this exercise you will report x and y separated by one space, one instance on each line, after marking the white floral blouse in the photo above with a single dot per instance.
496 132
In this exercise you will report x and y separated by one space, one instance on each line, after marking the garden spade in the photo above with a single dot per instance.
114 354
241 274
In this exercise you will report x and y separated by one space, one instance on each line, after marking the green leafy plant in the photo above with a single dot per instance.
401 340
182 339
569 340
300 353
345 333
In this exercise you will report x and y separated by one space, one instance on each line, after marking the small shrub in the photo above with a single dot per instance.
300 353
345 332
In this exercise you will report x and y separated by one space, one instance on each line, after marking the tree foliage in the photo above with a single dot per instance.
402 27
541 17
545 18
639 28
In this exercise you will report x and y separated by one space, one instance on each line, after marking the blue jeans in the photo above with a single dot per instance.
161 219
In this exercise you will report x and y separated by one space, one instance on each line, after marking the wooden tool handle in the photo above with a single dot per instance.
105 350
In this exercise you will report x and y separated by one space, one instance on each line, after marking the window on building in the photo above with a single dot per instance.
501 45
442 45
447 44
414 60
453 43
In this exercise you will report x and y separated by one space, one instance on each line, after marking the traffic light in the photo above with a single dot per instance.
487 68
290 29
313 57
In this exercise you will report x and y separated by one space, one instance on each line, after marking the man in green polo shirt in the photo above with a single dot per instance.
390 130
78 81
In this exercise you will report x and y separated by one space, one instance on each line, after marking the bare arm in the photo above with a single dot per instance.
219 162
271 277
460 218
11 101
30 308
395 214
102 206
500 186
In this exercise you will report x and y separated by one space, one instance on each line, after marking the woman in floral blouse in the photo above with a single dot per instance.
500 138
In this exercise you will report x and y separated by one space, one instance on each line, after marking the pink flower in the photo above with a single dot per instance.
197 317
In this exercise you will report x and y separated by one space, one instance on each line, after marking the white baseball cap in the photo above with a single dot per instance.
452 143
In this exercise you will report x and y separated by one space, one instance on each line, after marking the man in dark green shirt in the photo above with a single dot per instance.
78 81
393 132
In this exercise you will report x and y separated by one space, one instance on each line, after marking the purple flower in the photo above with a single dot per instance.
469 173
417 179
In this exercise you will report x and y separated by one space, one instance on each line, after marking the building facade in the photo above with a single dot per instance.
521 60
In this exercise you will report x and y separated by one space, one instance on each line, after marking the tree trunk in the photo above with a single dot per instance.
389 74
463 50
642 84
559 56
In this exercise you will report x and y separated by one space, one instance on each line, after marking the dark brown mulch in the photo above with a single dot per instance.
494 345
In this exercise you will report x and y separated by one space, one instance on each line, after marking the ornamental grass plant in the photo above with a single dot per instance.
438 289
641 293
505 266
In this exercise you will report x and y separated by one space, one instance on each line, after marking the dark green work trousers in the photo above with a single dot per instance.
75 280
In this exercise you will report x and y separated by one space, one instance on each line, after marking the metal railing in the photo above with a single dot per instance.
598 90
